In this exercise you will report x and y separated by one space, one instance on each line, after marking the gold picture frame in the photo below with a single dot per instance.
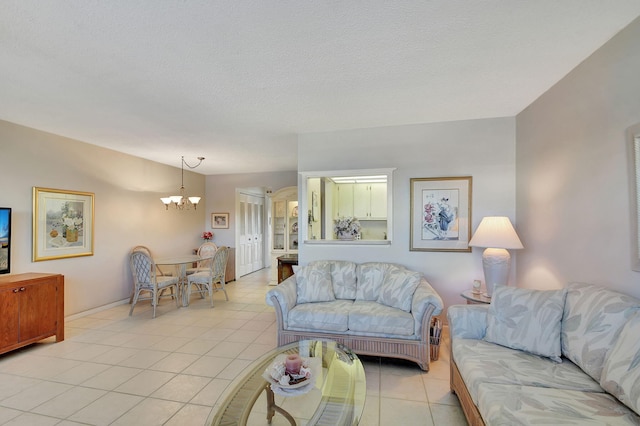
63 223
441 214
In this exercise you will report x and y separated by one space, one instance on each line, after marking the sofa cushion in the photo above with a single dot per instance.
372 317
467 321
398 287
528 405
526 319
483 362
369 279
313 284
322 316
343 277
593 319
621 371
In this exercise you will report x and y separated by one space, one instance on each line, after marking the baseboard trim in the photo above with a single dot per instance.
96 310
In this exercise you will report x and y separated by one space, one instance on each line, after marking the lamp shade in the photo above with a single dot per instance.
496 232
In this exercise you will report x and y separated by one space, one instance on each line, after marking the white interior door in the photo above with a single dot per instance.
250 256
258 234
243 254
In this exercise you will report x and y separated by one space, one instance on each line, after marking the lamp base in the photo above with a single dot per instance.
495 263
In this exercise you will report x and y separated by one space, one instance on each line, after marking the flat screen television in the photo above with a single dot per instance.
5 240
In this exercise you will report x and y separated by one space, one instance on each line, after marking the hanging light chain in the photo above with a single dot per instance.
192 167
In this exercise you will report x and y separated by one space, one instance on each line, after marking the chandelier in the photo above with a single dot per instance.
181 202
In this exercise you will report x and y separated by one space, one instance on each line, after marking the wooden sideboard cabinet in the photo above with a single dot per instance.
31 309
285 266
230 271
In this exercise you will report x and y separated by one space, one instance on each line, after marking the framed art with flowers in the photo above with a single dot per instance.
220 220
62 223
441 214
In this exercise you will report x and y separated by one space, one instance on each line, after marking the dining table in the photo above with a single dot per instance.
180 264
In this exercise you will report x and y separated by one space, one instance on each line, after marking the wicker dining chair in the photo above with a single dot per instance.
146 279
205 281
159 271
208 250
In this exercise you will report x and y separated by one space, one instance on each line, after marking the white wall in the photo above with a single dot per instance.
221 197
128 211
484 149
573 173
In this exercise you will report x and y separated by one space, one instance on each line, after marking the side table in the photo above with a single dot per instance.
475 298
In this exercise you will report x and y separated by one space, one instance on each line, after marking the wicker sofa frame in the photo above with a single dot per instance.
460 389
417 351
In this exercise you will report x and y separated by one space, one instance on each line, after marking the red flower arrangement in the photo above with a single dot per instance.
207 235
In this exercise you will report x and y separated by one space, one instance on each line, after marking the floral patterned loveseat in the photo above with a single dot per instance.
569 357
373 308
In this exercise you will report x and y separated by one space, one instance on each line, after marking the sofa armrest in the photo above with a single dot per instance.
467 321
285 295
425 302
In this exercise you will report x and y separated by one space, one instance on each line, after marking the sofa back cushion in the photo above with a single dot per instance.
528 320
398 286
621 371
343 277
369 279
313 284
593 318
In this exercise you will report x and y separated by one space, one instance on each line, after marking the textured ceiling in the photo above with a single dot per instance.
236 81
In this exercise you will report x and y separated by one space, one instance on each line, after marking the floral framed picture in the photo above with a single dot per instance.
441 214
220 220
62 223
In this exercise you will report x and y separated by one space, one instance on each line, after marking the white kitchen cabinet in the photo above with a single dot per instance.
378 199
361 201
370 201
344 200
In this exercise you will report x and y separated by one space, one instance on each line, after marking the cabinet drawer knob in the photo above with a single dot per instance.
22 289
15 290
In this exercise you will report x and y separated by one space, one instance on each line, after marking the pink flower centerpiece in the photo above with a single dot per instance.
207 236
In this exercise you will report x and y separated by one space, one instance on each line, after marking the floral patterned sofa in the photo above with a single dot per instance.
373 308
569 357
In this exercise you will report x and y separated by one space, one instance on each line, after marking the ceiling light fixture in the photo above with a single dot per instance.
181 202
360 179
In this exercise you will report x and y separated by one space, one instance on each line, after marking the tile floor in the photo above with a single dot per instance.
113 369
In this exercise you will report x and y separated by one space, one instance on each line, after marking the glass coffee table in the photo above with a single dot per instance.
335 396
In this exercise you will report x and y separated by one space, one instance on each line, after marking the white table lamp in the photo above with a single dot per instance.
496 233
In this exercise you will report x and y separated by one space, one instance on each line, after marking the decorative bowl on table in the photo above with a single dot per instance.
286 382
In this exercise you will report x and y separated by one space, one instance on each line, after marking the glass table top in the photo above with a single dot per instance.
336 397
